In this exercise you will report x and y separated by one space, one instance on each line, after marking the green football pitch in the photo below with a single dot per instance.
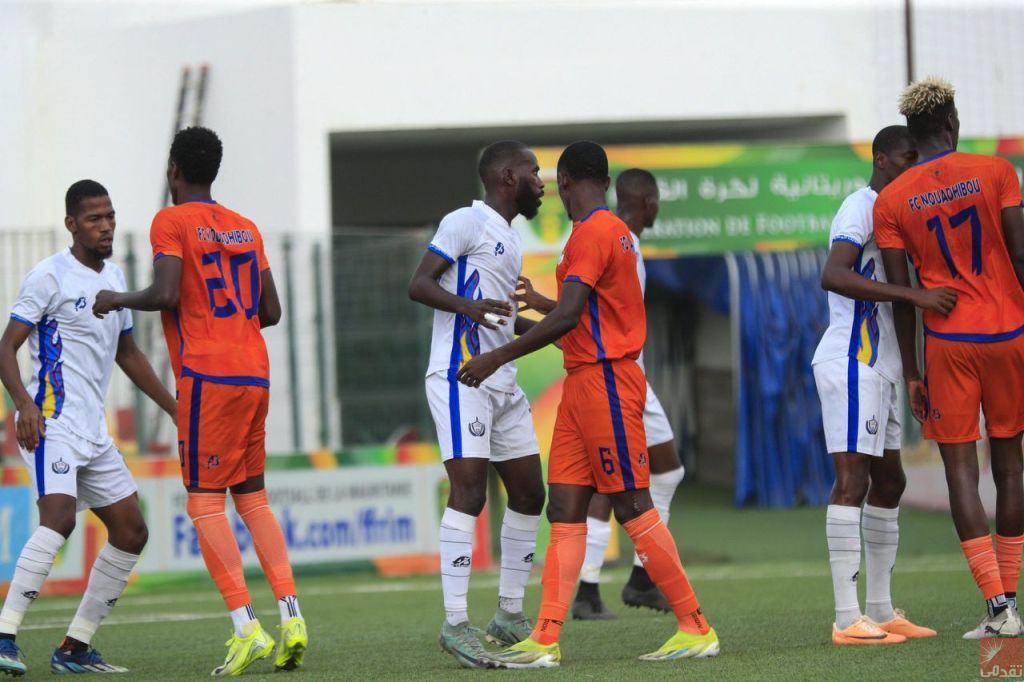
762 578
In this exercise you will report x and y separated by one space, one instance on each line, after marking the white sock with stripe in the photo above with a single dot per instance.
107 580
842 529
244 620
881 540
599 533
456 563
289 608
30 572
518 543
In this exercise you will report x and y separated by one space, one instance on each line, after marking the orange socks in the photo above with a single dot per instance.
562 565
1008 554
268 540
218 546
657 550
984 566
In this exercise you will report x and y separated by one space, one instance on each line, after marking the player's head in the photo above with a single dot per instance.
194 159
930 110
509 168
893 151
583 166
89 217
636 192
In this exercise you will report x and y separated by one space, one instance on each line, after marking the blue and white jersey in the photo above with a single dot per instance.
861 330
72 350
486 258
641 273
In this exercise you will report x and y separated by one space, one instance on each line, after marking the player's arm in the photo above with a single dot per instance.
136 366
905 322
162 294
554 326
31 424
531 299
1013 233
270 303
839 277
424 288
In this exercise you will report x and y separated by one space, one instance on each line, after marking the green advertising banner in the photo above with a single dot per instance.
721 198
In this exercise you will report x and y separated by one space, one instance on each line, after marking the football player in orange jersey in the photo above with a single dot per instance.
958 217
213 286
599 441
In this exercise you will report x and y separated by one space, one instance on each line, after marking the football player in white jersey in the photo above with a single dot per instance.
62 429
857 370
636 193
468 276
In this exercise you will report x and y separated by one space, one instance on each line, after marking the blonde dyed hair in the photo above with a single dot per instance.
925 96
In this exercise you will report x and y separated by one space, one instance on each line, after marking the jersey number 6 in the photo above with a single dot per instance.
215 284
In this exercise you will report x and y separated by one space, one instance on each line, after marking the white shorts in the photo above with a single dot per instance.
95 475
863 418
655 421
480 422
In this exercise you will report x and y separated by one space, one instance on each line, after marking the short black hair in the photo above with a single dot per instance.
83 189
197 152
584 160
890 136
635 181
497 155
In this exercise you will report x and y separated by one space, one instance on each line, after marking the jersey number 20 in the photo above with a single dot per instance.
215 284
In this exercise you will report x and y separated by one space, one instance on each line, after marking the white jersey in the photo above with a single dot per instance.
641 273
72 350
486 258
860 330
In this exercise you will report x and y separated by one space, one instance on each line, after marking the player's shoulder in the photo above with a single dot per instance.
608 223
967 160
900 186
465 216
858 202
54 266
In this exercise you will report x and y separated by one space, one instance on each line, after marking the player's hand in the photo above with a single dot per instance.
474 372
479 310
105 302
940 299
30 427
528 297
918 399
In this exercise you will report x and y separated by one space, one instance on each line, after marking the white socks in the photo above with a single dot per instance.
842 529
244 620
107 580
881 540
598 534
31 570
456 562
518 543
663 487
289 608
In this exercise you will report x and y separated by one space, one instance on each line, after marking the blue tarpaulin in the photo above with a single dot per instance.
782 311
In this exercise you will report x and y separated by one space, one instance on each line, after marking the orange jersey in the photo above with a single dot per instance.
600 253
946 213
214 333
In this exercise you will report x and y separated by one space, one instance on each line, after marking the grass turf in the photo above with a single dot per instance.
762 578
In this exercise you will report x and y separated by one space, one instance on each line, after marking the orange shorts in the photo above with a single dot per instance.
221 432
599 438
963 378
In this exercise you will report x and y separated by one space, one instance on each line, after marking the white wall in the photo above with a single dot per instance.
85 95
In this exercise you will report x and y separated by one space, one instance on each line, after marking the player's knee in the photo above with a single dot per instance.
529 502
849 491
467 501
130 537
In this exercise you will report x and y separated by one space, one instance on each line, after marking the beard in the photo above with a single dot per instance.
527 203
